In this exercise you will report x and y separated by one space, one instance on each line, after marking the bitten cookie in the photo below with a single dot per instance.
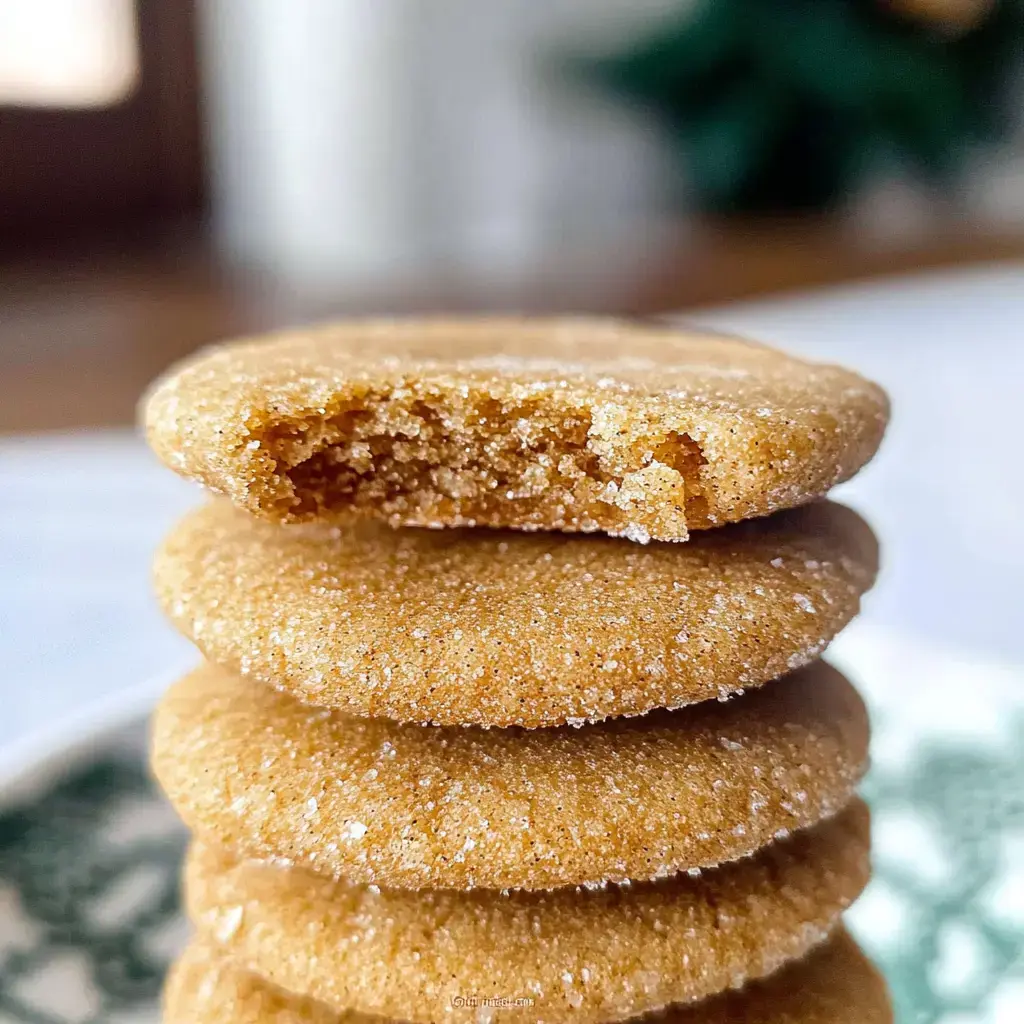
633 429
488 628
586 956
834 984
411 806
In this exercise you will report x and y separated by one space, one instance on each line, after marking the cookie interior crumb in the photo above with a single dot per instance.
418 450
582 425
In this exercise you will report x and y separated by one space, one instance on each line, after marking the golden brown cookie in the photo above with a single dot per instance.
585 955
834 984
410 805
487 628
633 429
205 987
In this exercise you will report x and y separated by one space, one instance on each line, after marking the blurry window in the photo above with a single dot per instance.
99 119
67 53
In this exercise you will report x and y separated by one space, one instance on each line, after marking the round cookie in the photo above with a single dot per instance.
204 987
834 984
410 806
638 430
487 628
597 955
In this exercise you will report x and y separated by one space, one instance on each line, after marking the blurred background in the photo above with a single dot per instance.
843 178
174 171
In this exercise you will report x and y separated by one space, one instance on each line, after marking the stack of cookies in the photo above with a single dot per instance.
534 763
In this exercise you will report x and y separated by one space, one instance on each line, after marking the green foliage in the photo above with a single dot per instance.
781 105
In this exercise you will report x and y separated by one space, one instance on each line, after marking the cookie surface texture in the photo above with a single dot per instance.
631 429
502 628
410 806
205 987
583 955
834 984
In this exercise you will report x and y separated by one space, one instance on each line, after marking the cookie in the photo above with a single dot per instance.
834 984
574 954
632 429
411 806
204 987
499 628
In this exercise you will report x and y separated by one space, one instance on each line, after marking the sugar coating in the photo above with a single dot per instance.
834 984
204 986
632 429
580 955
421 806
502 628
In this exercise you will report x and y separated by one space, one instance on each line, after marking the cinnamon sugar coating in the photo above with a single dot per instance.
420 806
501 628
567 424
834 984
585 956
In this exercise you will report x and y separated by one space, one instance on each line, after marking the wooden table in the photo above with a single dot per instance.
82 332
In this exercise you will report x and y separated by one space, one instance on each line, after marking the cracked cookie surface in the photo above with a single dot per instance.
626 428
